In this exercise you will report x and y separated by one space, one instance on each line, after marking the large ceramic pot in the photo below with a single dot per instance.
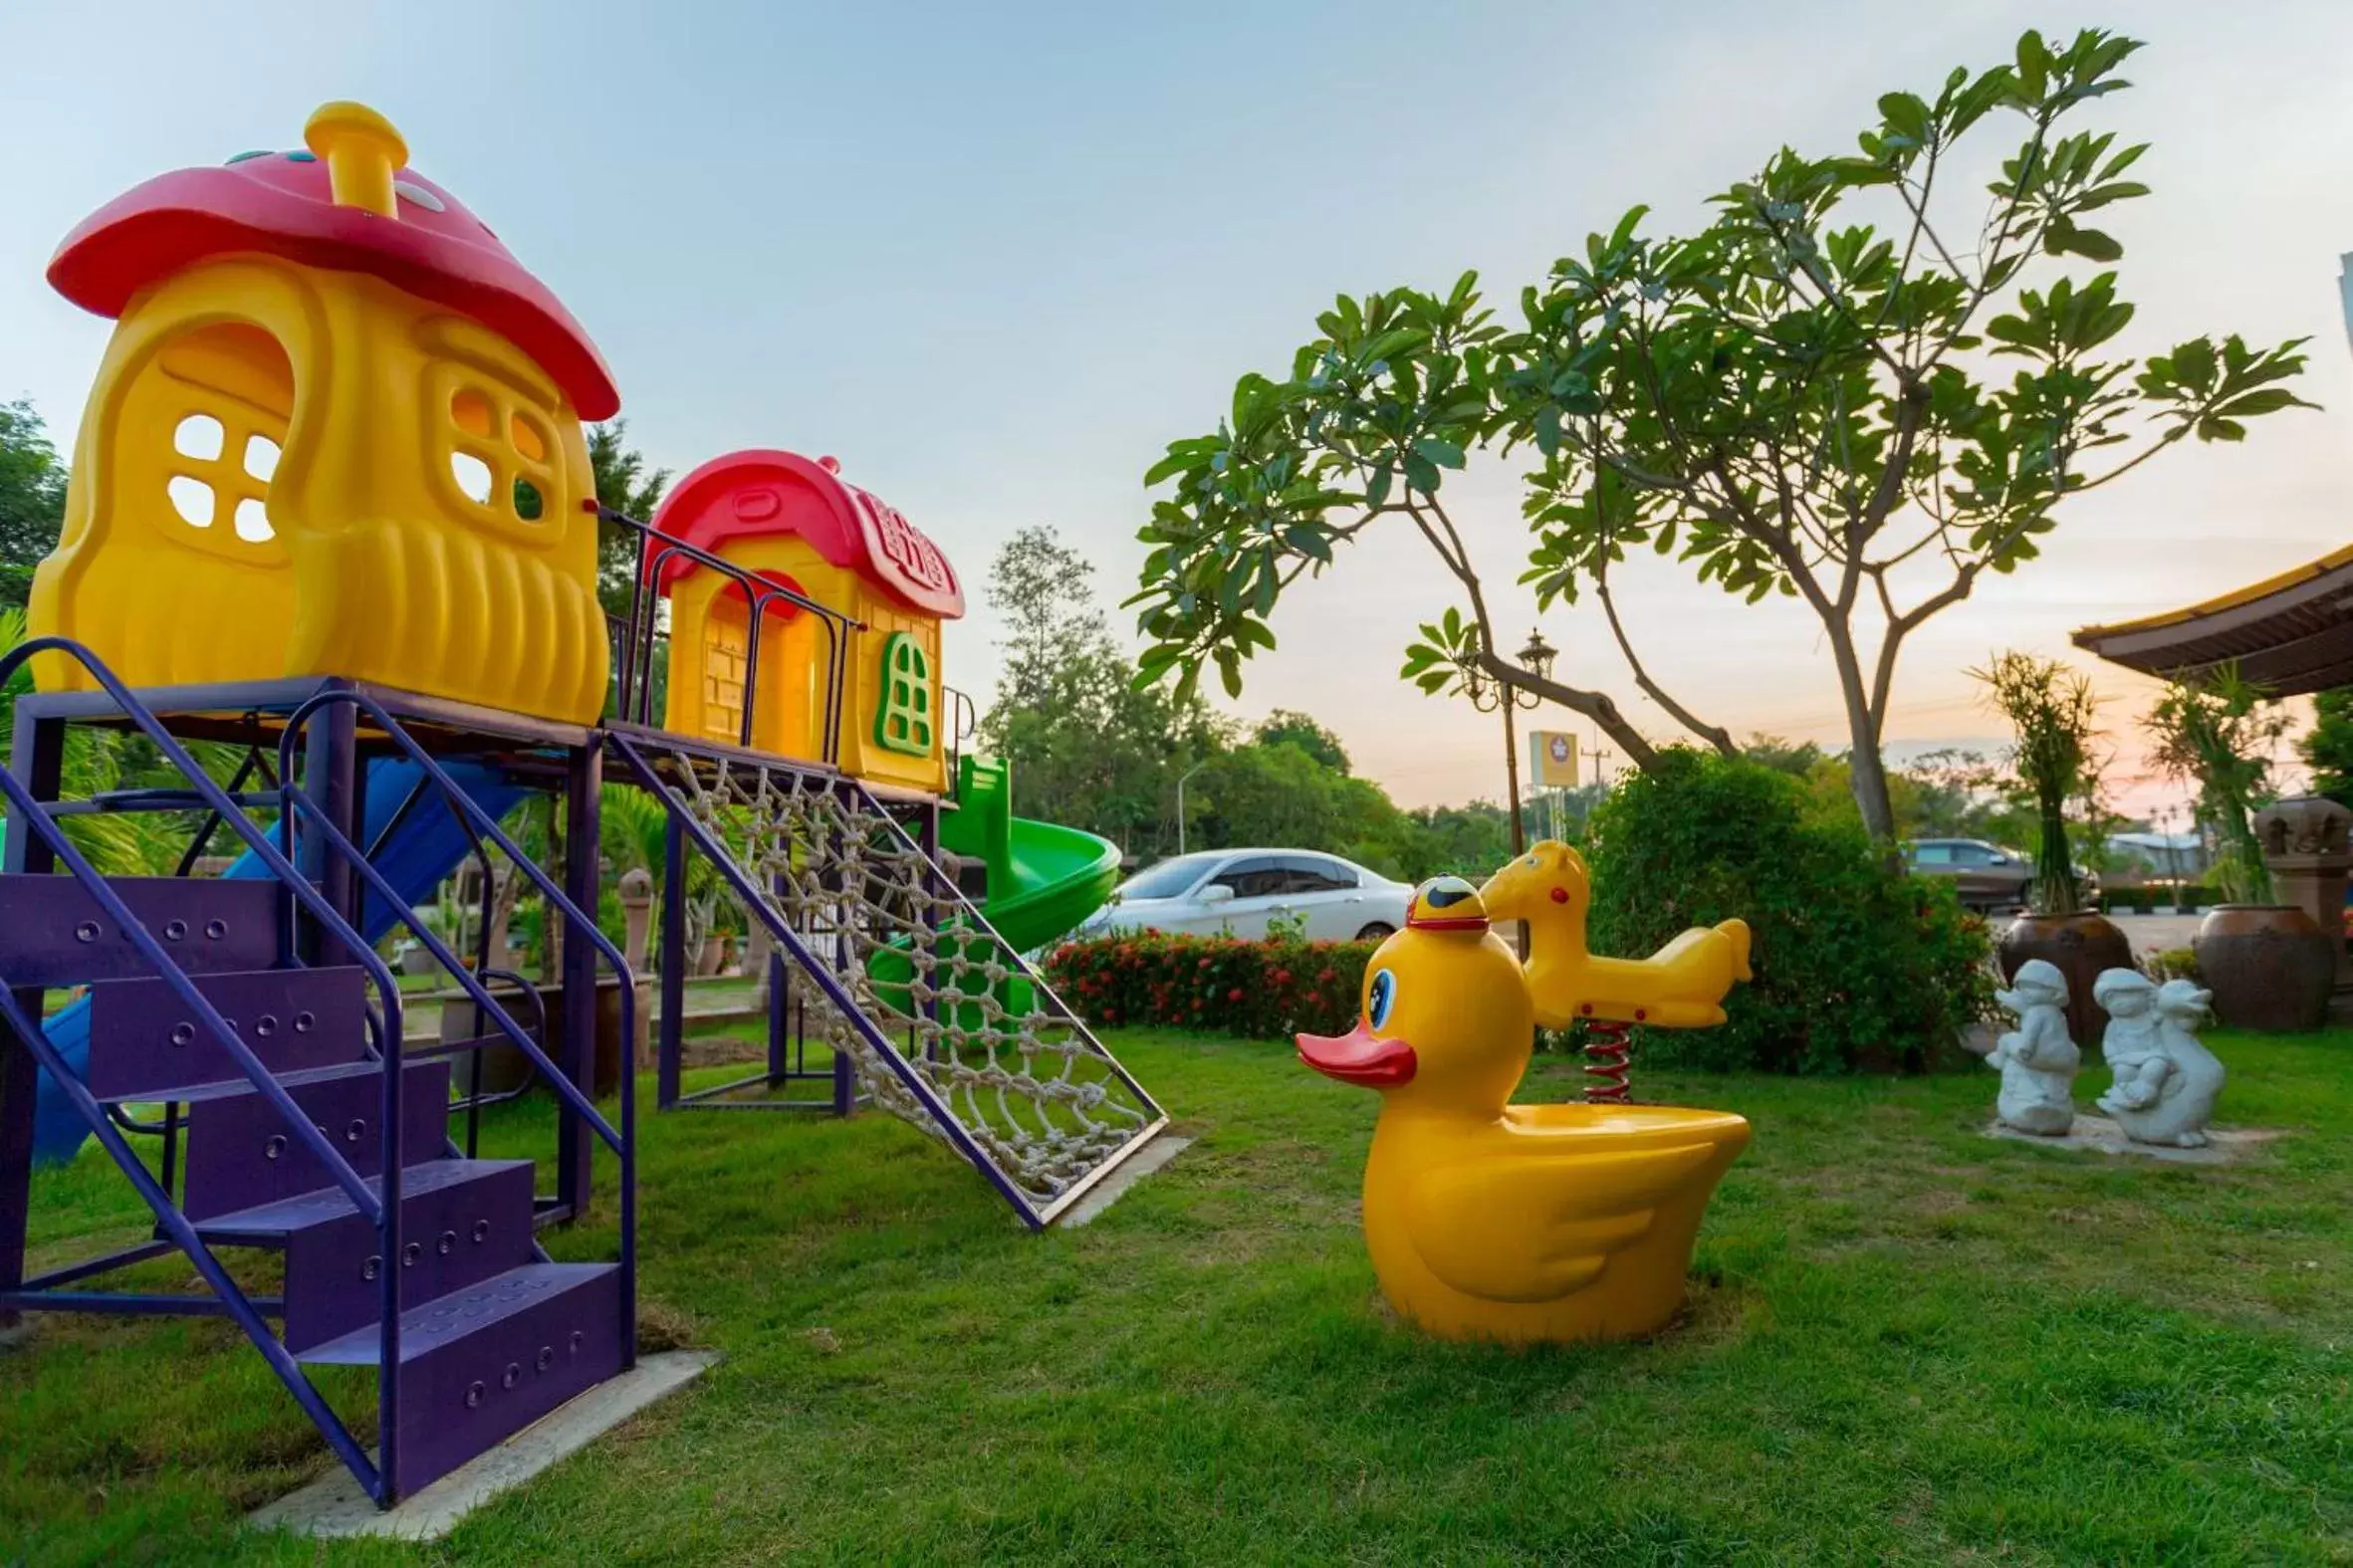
2082 944
2269 966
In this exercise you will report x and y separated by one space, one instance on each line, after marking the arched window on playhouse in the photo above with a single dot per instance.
228 392
498 451
902 719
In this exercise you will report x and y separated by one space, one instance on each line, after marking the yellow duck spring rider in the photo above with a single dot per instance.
1681 986
1491 1221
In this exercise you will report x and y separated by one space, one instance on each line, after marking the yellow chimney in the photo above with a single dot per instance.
362 152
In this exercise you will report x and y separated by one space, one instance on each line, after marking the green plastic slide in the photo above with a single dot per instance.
1044 879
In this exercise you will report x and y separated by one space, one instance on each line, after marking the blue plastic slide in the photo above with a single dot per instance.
427 846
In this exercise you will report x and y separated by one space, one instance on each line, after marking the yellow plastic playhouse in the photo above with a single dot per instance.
790 521
336 431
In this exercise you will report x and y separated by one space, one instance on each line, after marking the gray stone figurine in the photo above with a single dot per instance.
2037 1061
2167 1081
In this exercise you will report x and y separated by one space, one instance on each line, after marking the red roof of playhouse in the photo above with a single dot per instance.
279 203
761 494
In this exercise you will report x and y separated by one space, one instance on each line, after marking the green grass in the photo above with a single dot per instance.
1906 1342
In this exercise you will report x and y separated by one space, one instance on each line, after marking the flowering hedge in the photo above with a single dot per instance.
1259 990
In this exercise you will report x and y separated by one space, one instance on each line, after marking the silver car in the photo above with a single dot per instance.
1239 892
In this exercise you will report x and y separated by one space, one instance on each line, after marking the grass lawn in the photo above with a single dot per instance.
1906 1342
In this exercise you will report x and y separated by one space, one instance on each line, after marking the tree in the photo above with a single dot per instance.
2327 748
1044 591
1091 748
32 498
1790 401
1466 841
1088 747
2217 732
1954 794
1287 727
1796 758
625 485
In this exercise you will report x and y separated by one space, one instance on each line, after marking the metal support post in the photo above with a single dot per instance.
39 763
673 961
583 781
331 778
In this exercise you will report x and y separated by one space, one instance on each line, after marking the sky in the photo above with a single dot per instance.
996 257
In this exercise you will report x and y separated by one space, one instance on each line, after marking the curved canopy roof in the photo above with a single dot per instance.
2289 634
284 204
763 494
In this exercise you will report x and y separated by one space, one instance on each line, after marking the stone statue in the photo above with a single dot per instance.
2167 1081
2303 826
2038 1061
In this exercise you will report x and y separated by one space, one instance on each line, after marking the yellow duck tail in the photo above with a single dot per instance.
1737 932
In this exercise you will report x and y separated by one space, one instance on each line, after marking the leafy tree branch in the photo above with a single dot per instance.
1791 402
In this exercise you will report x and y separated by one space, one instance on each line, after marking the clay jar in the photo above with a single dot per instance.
2080 946
2269 966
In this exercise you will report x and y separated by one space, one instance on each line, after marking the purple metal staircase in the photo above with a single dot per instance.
308 1132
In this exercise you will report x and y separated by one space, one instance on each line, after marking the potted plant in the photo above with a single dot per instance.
2053 720
2269 965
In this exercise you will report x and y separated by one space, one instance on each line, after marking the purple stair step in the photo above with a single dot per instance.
461 1221
271 1223
242 1155
479 1366
57 935
146 1044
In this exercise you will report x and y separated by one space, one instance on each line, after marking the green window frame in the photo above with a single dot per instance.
902 719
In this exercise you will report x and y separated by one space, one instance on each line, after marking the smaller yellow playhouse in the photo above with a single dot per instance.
792 521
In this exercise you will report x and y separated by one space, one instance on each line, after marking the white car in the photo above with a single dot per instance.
1238 891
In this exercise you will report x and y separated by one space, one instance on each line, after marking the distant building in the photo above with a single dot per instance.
2157 857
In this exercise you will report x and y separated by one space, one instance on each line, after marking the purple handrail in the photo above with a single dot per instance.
634 697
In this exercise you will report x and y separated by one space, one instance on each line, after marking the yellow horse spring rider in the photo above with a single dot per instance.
1527 1222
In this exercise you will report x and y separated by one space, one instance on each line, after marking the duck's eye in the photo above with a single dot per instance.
1383 999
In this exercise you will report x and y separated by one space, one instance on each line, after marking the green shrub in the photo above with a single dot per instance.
1857 967
1257 989
2172 964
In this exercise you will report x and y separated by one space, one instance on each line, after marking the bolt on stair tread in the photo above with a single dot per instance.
431 1326
225 1088
268 1223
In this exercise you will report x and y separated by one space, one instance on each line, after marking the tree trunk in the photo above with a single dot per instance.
1867 771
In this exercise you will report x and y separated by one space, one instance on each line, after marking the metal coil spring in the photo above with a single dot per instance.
1606 1060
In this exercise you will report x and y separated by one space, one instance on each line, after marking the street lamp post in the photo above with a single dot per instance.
2165 816
1488 694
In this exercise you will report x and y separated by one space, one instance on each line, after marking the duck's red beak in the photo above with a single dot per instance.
1359 1056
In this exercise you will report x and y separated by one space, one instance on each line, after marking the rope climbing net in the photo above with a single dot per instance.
941 999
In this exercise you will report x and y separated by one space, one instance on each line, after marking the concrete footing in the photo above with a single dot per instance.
333 1504
1151 1158
2224 1145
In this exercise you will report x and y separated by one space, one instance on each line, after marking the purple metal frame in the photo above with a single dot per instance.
633 669
584 943
30 820
343 875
